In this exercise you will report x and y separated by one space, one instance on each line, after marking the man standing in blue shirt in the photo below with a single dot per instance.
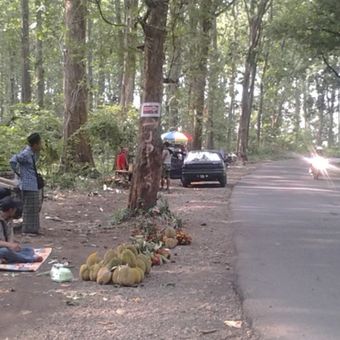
24 165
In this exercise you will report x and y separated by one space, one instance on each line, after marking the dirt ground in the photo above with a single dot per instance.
190 298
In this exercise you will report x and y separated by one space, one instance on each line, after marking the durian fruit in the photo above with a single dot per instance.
94 271
141 274
141 264
129 258
120 249
84 272
126 277
109 255
92 259
115 276
170 232
147 261
123 275
170 242
137 275
104 276
132 248
114 263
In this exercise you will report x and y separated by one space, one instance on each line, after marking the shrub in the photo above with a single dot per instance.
24 120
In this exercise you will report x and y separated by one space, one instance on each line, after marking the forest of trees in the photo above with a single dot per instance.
250 76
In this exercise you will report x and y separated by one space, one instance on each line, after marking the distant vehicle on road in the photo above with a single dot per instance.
204 166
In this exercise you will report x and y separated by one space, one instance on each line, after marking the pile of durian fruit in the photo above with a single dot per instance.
122 266
170 238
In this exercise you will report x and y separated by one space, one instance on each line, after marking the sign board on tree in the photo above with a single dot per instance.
151 110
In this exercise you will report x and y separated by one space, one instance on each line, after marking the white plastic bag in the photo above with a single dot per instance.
60 274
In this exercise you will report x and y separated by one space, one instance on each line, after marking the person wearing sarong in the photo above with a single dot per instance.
24 165
10 251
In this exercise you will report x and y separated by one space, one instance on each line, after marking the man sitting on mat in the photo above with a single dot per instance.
10 251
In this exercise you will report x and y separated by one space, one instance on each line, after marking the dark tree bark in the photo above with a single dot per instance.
255 11
26 91
77 151
39 66
199 83
146 177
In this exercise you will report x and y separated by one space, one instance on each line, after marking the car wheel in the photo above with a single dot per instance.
223 181
185 182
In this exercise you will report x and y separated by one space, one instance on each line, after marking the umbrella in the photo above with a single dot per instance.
188 135
174 137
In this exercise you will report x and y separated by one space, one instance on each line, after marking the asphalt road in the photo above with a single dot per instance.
287 232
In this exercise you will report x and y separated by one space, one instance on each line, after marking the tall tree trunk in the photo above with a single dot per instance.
172 88
145 184
262 97
206 17
77 151
255 13
174 66
120 50
231 110
40 72
247 103
232 84
320 104
101 83
213 81
90 62
331 110
13 82
305 105
191 56
129 63
297 119
26 94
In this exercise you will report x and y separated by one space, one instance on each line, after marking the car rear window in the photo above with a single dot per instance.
203 157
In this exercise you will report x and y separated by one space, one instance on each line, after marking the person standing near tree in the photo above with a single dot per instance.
24 166
166 161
